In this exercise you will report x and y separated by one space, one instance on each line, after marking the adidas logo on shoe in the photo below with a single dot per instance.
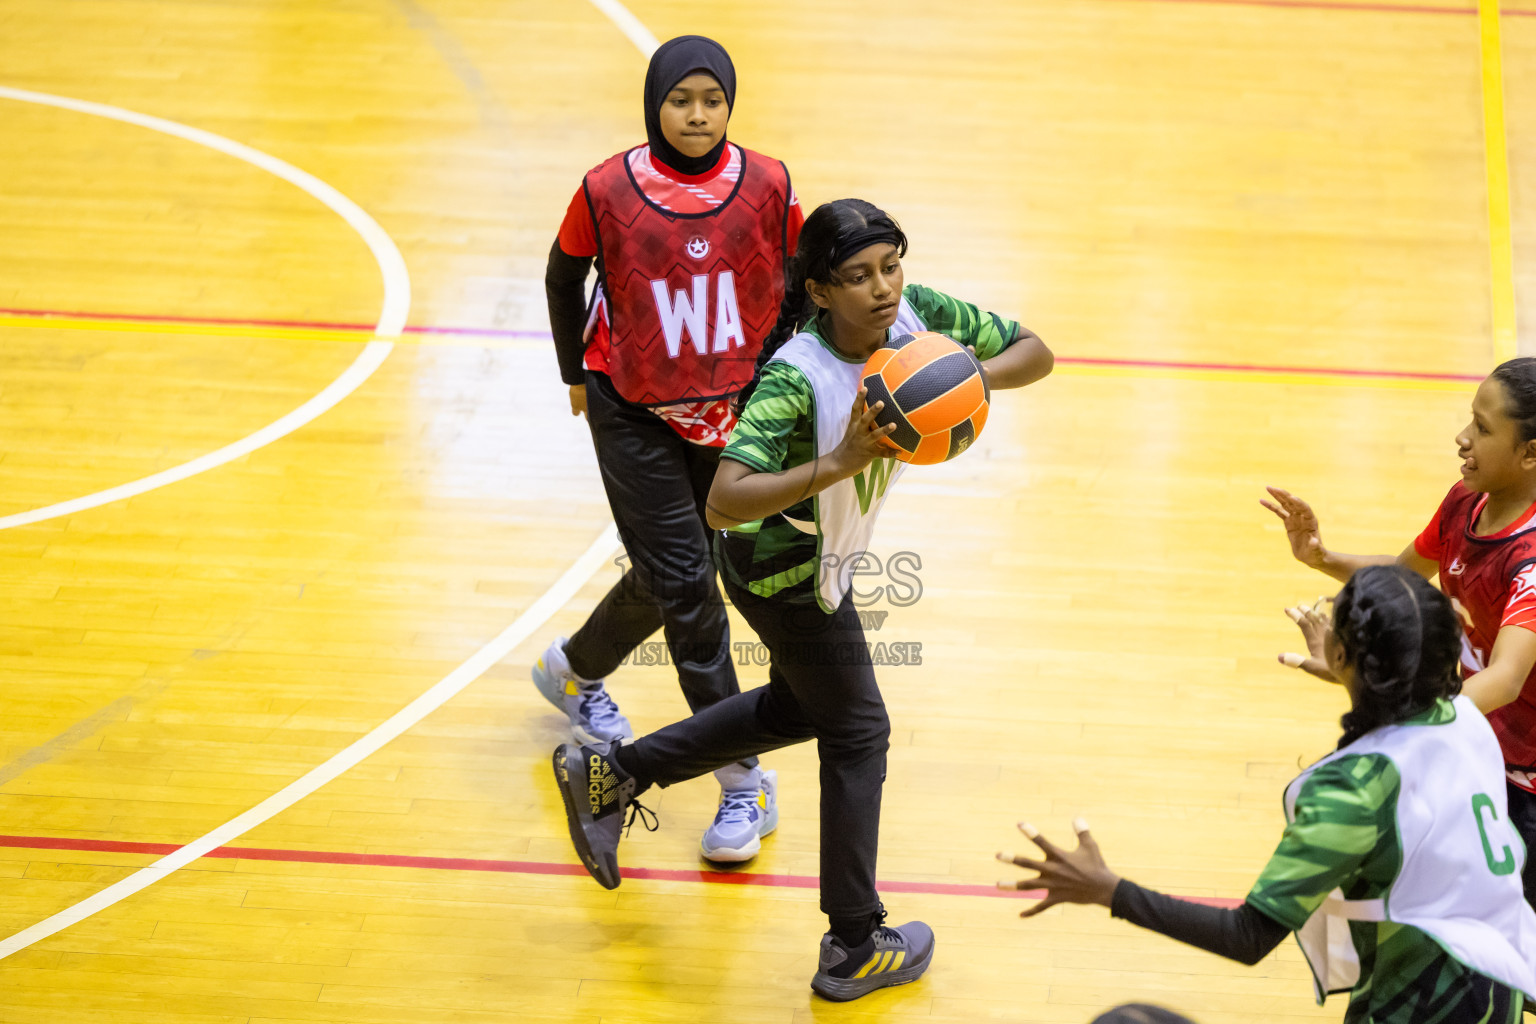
596 798
602 786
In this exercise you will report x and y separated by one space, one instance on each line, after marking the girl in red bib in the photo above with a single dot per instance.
691 235
1482 544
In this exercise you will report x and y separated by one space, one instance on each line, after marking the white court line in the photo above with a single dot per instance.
629 25
537 614
397 304
534 617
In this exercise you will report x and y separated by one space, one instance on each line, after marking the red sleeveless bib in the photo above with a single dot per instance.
1479 572
689 296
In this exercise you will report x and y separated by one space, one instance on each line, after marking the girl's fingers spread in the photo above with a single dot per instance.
1026 863
1295 614
1050 848
1043 905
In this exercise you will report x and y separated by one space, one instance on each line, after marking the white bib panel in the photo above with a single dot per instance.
845 511
1460 878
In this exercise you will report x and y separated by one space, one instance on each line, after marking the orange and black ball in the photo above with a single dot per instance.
934 391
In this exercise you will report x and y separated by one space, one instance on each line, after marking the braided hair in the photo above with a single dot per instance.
833 232
1402 639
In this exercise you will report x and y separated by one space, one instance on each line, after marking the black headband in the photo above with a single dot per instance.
862 238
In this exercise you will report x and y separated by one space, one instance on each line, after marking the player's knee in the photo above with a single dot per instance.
858 737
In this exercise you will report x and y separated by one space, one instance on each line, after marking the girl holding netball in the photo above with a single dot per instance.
796 497
1398 869
1482 543
690 234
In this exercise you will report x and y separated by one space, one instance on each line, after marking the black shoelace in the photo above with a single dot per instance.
645 814
881 930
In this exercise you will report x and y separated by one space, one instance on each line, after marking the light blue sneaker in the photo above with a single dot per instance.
749 810
595 718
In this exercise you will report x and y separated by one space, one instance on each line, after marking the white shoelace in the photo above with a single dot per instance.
736 805
598 707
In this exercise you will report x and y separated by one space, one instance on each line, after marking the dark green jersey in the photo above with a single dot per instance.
777 431
1345 836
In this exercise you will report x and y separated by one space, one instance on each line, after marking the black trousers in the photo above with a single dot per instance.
821 686
1522 814
657 486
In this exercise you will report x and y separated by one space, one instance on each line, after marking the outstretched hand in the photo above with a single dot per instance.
1301 526
1314 628
1075 876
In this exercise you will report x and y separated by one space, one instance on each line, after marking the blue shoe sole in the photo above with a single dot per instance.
742 854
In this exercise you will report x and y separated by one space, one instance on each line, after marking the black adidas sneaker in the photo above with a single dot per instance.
597 792
891 956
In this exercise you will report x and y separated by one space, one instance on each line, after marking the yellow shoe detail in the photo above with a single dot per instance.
571 689
901 955
874 966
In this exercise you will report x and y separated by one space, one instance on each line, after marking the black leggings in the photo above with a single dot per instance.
1522 814
821 685
657 485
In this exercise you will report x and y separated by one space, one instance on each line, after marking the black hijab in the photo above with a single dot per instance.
673 61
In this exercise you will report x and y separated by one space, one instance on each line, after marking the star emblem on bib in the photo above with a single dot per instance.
697 247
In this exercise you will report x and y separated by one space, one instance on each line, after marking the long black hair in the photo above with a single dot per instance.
1518 379
833 232
1402 639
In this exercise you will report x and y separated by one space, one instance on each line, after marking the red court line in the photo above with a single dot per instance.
324 325
497 332
519 867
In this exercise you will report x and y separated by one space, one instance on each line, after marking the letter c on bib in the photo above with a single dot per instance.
1505 865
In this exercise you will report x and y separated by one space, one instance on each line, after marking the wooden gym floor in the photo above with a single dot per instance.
1258 235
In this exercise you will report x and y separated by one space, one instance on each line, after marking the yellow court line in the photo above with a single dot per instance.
1501 246
1266 377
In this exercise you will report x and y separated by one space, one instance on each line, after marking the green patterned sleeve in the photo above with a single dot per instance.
1343 813
984 333
761 438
